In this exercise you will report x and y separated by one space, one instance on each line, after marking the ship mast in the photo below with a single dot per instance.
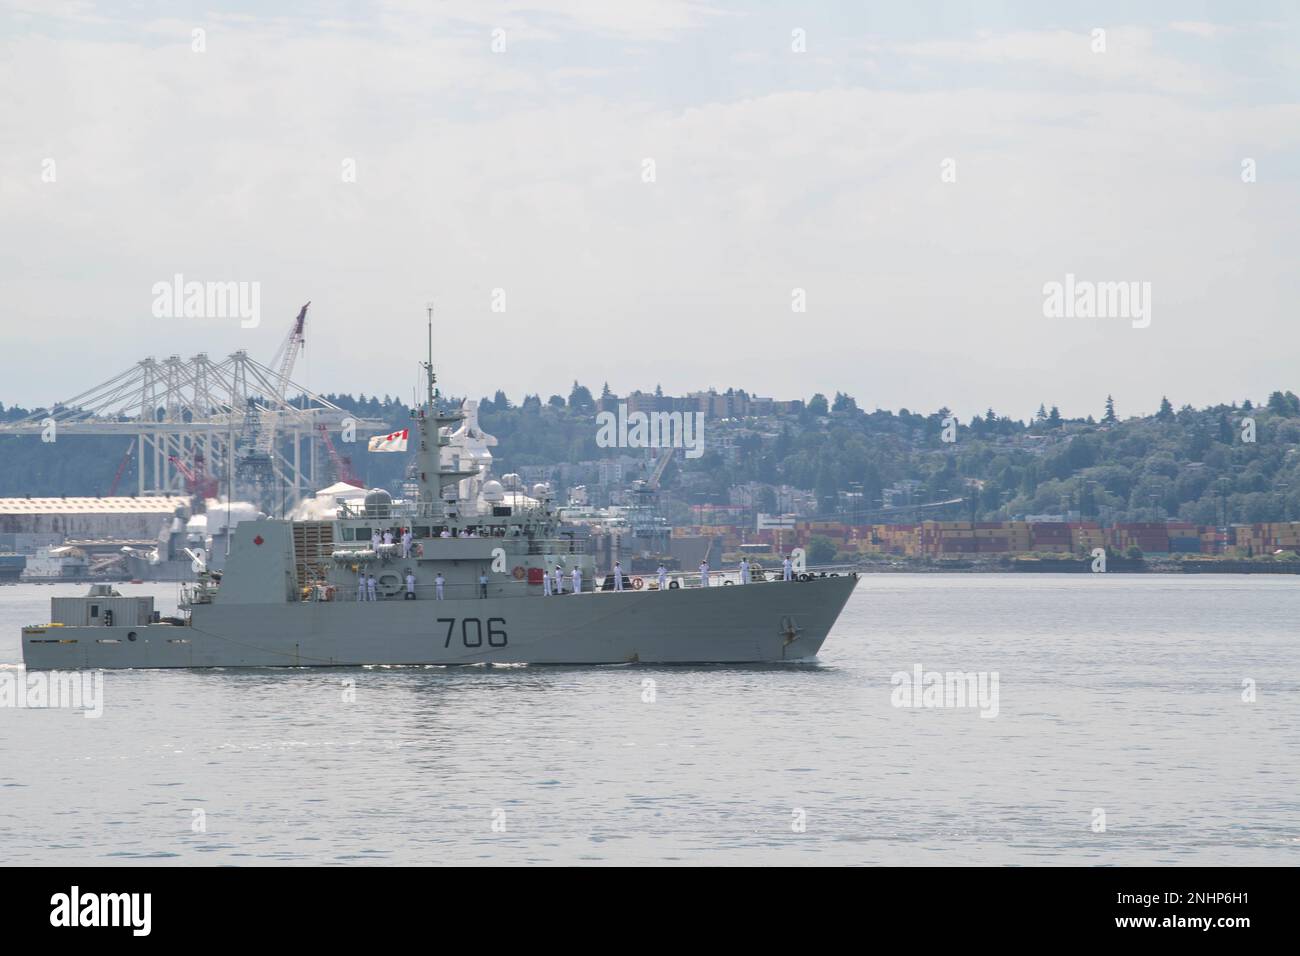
434 478
430 378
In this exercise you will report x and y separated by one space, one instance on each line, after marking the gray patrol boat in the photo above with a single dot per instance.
290 593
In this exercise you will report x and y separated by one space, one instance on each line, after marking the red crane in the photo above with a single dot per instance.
342 463
121 468
198 483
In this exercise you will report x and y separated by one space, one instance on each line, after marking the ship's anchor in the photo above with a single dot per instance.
790 629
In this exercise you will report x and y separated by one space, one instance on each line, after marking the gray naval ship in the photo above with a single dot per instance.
291 594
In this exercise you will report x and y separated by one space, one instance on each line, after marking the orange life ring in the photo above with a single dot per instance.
519 572
637 584
417 549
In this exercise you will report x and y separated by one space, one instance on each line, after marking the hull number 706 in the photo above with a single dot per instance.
472 631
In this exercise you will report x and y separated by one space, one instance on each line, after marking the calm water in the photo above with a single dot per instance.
1122 693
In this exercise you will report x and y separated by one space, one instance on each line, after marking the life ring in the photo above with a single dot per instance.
674 585
519 572
637 584
417 549
728 583
805 577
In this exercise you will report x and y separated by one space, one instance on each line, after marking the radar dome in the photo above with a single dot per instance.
492 490
379 503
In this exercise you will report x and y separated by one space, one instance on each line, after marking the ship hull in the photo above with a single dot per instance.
767 622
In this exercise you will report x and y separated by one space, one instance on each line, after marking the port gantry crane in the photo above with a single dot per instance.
174 409
283 361
256 443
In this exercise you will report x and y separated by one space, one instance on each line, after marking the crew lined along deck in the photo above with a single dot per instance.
387 591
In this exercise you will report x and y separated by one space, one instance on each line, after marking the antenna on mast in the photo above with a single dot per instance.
428 366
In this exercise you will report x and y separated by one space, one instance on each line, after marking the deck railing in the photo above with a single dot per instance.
649 582
429 510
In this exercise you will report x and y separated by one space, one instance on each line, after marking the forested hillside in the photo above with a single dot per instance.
1185 463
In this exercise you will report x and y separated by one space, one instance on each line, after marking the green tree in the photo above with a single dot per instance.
1109 418
580 398
1286 404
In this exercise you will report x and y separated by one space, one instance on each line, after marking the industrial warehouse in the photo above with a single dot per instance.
125 538
953 541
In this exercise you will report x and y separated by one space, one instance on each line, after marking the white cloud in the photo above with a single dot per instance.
1198 28
1130 57
478 171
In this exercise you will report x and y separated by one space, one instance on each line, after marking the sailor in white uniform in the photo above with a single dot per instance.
374 540
406 543
546 584
785 569
410 585
559 580
370 589
361 585
744 571
704 574
437 586
663 578
618 576
388 536
577 580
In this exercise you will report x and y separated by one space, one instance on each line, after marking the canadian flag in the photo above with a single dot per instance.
395 441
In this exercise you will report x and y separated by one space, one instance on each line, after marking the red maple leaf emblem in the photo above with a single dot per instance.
258 541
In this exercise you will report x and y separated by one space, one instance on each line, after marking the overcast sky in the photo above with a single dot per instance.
523 169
